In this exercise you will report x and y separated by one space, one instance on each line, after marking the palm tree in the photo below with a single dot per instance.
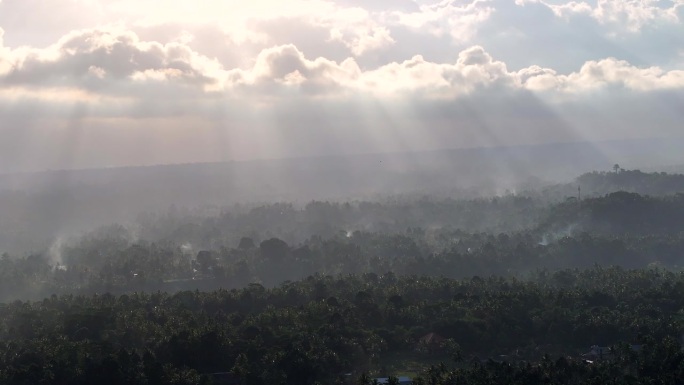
364 379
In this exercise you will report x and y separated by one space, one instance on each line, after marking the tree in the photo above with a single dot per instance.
364 379
246 243
205 260
274 249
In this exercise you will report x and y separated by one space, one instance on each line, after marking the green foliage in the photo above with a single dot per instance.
293 335
622 229
277 294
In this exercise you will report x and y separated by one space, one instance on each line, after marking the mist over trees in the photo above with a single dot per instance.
230 251
40 208
515 285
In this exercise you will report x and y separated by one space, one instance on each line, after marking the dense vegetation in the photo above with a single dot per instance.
621 228
515 288
320 327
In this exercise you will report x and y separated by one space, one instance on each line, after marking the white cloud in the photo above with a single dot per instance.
621 15
93 59
363 41
4 55
116 62
354 26
571 8
612 72
634 14
286 66
536 78
474 69
446 17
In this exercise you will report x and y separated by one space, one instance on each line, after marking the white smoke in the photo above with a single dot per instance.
551 237
55 251
186 248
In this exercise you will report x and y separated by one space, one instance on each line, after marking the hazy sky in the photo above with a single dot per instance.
88 83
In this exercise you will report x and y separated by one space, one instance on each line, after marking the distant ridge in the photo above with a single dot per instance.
487 170
651 147
42 205
633 146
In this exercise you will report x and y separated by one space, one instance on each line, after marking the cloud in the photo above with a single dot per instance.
268 79
4 55
117 63
596 74
102 60
371 39
374 33
475 69
635 14
446 17
283 70
603 74
622 15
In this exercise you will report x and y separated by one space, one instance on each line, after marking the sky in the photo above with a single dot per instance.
95 83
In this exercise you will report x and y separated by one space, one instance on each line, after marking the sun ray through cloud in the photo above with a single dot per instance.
265 88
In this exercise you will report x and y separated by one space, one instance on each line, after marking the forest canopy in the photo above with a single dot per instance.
515 288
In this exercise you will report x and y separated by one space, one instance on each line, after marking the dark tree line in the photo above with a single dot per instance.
317 328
